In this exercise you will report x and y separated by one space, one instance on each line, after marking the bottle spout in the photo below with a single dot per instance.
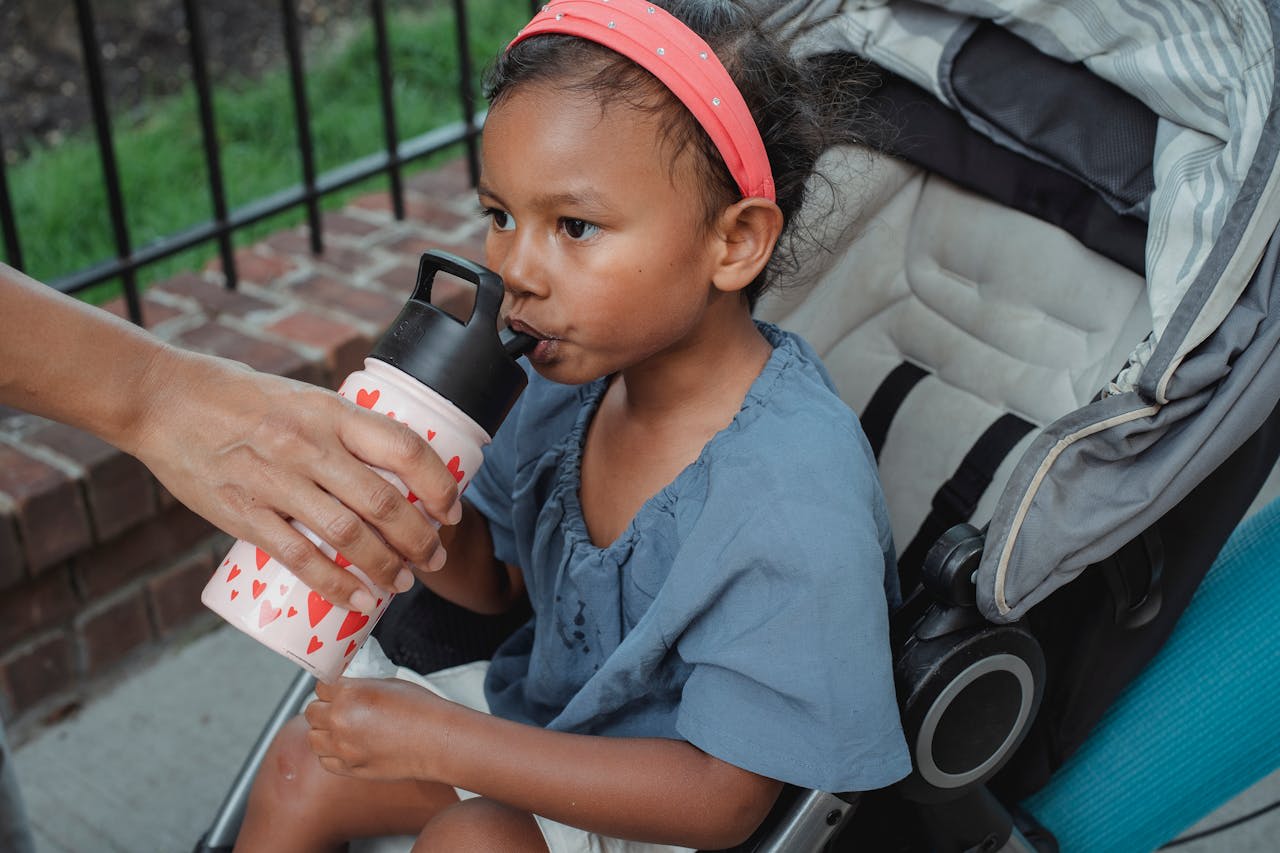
516 344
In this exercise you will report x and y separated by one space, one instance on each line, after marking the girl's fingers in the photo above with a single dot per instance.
392 446
315 712
335 766
321 743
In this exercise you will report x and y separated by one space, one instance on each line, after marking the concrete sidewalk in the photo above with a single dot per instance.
142 768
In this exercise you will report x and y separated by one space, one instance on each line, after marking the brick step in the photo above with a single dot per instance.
98 564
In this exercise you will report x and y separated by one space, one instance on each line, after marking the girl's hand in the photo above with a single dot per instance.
377 728
249 450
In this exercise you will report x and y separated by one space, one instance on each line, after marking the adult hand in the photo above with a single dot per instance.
249 450
377 728
246 450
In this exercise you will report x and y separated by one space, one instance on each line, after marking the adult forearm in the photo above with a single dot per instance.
651 789
71 362
244 449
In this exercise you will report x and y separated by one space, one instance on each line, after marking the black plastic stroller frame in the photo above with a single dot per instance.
1001 677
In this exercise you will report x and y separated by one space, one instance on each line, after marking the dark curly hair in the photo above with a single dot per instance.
790 104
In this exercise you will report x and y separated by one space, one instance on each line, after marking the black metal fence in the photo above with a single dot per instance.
308 193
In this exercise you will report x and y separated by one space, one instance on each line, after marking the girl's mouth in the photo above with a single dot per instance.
544 352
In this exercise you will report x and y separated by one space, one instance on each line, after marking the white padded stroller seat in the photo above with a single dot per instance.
1006 313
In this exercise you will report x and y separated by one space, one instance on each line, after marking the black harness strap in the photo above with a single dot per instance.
959 496
886 401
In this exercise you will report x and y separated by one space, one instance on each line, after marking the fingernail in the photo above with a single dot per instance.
361 600
454 515
437 560
404 580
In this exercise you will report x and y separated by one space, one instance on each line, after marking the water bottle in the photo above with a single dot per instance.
452 383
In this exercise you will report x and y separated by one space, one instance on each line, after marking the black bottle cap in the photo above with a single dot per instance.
469 364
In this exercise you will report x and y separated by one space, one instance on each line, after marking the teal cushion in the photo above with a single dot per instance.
1197 726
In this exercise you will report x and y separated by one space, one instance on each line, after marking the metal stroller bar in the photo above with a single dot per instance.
226 823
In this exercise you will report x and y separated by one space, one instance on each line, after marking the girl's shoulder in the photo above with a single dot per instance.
793 428
796 401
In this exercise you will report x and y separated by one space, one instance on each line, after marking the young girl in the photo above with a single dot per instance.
692 512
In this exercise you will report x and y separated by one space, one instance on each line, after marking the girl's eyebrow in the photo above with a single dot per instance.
582 198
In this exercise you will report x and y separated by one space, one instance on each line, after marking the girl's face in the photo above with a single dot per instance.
600 238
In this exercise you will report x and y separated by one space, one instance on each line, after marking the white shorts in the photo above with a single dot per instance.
465 685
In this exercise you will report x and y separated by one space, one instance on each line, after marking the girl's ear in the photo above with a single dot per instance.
746 233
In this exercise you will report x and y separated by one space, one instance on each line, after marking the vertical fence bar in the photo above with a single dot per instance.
464 89
209 134
382 47
302 116
107 153
8 222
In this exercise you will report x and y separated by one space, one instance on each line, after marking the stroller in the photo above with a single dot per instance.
1052 294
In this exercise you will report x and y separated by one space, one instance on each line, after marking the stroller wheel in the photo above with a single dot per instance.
970 698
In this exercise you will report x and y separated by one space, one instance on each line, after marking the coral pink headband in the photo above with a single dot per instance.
661 44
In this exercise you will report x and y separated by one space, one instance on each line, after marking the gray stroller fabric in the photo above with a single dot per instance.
1209 371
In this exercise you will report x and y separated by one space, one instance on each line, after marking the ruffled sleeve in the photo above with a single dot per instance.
791 671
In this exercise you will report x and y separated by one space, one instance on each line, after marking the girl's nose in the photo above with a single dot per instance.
521 272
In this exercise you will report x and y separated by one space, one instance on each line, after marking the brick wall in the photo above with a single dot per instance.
99 566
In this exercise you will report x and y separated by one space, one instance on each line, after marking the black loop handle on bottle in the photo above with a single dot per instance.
489 288
468 364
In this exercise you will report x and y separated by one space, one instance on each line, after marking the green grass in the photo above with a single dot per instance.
58 195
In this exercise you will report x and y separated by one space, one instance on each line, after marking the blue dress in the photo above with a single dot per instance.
744 609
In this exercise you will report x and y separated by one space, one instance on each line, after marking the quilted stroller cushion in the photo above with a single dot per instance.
1003 313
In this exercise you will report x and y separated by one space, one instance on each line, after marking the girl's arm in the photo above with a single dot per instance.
471 576
246 450
652 789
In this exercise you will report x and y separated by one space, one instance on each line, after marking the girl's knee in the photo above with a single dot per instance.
481 825
291 774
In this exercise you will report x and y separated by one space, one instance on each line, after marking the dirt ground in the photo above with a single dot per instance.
145 46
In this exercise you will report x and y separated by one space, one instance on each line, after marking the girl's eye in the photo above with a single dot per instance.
502 220
578 229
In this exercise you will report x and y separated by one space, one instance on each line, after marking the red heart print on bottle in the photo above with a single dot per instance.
318 607
411 378
267 614
354 622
